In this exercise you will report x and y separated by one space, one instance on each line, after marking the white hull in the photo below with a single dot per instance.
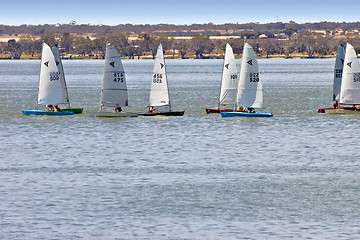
112 114
342 111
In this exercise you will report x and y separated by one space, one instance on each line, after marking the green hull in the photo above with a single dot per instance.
74 110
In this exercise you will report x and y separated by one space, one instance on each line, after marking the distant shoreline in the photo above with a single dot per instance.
209 56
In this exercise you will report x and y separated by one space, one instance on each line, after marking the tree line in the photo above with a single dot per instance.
306 43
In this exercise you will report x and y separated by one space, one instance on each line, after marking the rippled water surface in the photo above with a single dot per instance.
293 176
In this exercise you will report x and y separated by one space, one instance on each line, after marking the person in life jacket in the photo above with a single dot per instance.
49 108
117 108
151 109
336 104
57 109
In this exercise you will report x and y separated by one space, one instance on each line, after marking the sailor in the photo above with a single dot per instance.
49 108
57 109
336 104
117 108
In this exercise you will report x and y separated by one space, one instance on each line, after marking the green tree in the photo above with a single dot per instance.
289 31
14 48
120 42
48 38
182 46
66 42
201 44
83 45
29 44
100 45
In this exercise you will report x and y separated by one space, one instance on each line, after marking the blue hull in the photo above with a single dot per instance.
45 113
245 114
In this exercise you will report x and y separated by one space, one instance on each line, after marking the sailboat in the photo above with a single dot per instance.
55 50
229 83
349 98
114 89
51 89
159 92
338 70
250 90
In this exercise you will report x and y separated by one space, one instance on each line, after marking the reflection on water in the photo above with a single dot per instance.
193 177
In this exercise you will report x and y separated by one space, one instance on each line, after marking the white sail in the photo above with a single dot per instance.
250 91
114 90
50 87
350 83
159 93
338 69
65 96
229 81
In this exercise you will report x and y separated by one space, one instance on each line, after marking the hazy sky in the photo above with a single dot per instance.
113 12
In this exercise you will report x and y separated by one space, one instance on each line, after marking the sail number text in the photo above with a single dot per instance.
338 73
254 77
54 76
157 78
233 76
356 77
118 77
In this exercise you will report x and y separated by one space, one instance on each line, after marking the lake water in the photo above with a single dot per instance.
293 176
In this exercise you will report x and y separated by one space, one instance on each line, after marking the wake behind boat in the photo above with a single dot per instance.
159 91
250 90
114 90
347 101
52 90
229 84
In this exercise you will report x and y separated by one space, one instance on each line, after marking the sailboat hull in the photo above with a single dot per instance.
74 110
172 113
346 110
46 113
245 114
112 114
217 110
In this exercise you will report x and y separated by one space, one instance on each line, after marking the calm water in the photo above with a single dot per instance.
293 176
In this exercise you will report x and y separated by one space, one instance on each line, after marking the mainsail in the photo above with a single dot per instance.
159 93
350 83
50 86
114 90
65 95
338 69
250 91
229 81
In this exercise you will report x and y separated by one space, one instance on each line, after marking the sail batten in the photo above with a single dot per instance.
250 91
159 93
350 83
114 89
